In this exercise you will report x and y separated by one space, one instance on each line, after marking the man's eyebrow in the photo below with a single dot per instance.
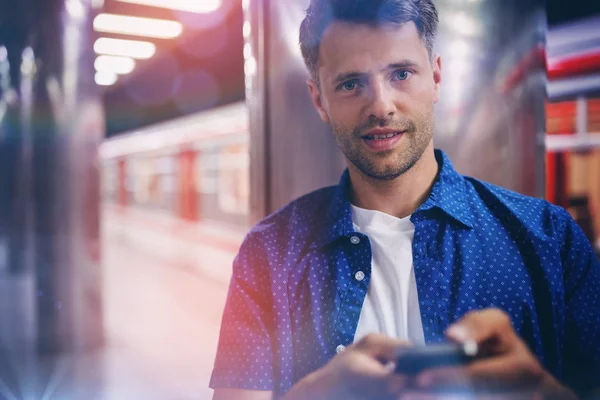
344 76
402 64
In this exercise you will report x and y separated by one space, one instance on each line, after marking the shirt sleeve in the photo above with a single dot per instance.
581 275
244 354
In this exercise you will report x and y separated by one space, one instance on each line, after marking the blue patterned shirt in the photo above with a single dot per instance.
294 299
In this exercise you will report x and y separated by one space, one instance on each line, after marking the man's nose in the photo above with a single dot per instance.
382 106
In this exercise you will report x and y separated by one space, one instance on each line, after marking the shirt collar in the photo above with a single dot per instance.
448 194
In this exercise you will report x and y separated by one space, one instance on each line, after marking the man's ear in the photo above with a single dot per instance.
437 77
315 94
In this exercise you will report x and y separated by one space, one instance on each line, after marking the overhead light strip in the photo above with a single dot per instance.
114 64
127 48
106 78
128 25
194 6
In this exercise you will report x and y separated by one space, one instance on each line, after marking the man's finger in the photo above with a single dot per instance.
490 325
381 347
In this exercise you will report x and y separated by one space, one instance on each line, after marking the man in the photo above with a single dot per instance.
404 251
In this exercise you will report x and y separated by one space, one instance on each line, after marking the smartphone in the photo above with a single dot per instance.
413 360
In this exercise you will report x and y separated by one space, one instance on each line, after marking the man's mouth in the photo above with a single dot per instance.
382 135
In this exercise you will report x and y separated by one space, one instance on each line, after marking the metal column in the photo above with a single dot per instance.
51 300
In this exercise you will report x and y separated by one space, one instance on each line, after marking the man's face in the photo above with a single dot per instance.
377 88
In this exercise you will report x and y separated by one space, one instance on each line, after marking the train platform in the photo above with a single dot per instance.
165 283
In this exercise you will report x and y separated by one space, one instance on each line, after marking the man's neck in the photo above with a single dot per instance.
399 197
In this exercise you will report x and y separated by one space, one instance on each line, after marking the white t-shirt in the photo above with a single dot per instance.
391 306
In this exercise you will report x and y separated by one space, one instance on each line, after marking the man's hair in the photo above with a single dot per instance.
321 13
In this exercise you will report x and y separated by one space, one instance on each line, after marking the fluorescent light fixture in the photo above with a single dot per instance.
195 6
114 64
105 78
128 25
127 48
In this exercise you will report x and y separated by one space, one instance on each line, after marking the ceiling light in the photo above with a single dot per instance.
114 64
128 25
128 48
195 6
105 78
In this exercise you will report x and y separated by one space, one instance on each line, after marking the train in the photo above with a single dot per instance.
194 168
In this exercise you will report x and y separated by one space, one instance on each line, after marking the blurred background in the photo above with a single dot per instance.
141 139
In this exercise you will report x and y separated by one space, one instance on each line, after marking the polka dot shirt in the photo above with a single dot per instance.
301 276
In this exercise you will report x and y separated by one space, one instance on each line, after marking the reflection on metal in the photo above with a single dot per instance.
28 68
66 185
50 184
490 118
4 80
256 31
292 151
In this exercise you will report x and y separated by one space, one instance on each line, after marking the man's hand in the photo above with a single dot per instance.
507 366
360 372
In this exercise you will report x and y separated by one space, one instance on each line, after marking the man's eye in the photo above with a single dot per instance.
349 86
402 75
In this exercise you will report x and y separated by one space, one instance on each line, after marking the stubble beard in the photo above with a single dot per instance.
390 164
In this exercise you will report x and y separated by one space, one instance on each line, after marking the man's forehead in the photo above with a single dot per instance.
338 27
355 46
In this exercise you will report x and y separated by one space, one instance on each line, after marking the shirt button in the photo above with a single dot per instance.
359 276
340 348
355 240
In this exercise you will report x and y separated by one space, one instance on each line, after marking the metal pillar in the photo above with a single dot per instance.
53 177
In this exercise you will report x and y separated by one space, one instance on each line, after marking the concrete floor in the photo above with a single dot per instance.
165 284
